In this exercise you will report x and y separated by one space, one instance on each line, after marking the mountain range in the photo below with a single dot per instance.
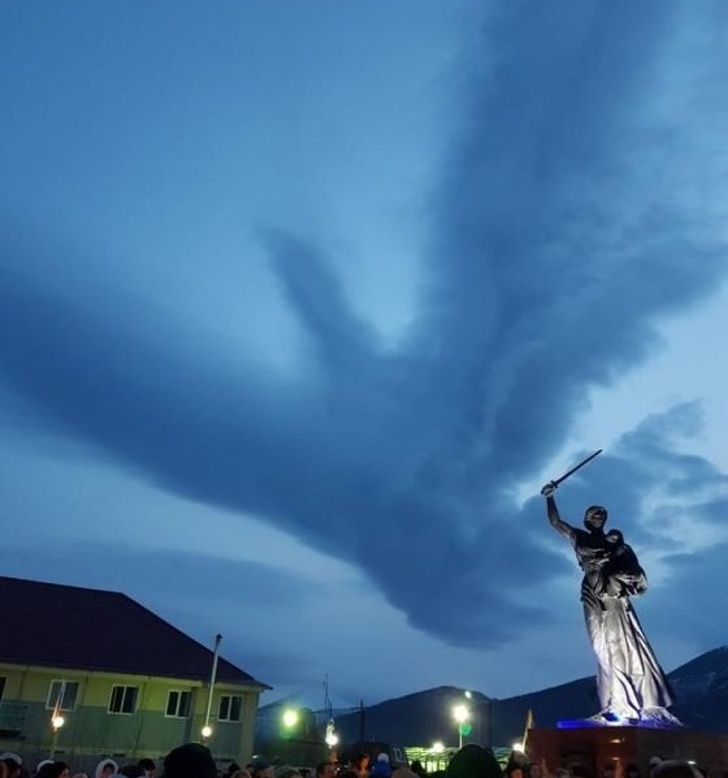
422 718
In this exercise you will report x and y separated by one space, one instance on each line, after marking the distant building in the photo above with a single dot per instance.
126 683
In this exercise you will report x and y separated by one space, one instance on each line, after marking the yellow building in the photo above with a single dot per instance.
119 680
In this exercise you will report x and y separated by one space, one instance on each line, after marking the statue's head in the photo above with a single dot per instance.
615 537
595 517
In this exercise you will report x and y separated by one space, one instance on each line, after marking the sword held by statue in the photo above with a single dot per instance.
571 472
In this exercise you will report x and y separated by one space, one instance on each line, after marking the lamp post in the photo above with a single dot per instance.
331 739
461 713
206 731
57 721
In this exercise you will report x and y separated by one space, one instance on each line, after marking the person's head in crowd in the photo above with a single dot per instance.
192 760
54 770
579 770
325 770
674 768
106 768
418 768
148 766
381 767
132 771
12 762
473 761
653 764
261 768
287 771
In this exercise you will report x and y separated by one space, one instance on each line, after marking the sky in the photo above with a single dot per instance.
301 304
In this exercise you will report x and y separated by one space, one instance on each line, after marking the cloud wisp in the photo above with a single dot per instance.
579 205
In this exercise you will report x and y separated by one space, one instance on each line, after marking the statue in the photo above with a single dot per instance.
632 687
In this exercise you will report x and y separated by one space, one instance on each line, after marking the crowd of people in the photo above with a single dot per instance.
471 761
188 761
474 761
194 760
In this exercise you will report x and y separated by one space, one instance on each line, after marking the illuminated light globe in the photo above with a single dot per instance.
290 718
518 747
206 731
57 722
331 739
438 747
461 713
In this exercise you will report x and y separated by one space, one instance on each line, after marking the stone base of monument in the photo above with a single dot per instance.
597 746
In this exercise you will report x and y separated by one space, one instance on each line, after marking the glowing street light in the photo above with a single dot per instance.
461 713
291 717
57 721
206 731
331 738
438 747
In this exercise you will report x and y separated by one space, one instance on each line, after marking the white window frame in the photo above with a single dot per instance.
126 688
177 715
52 696
230 698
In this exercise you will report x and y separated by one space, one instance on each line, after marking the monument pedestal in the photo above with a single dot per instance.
597 746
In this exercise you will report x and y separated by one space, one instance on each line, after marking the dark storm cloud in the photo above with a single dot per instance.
564 227
648 483
695 597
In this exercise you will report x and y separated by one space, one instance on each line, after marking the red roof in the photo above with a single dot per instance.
53 625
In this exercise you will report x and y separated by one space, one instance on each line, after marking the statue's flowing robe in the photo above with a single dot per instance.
629 677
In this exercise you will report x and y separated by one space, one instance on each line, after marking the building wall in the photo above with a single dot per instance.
90 731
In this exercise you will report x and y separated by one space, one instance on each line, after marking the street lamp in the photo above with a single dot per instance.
57 721
290 718
461 713
206 730
331 738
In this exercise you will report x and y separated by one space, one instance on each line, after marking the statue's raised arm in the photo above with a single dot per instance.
553 513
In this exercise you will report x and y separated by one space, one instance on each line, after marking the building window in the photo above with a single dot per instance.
3 680
178 704
230 707
123 699
65 692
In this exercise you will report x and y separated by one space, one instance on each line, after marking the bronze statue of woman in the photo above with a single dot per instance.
632 686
